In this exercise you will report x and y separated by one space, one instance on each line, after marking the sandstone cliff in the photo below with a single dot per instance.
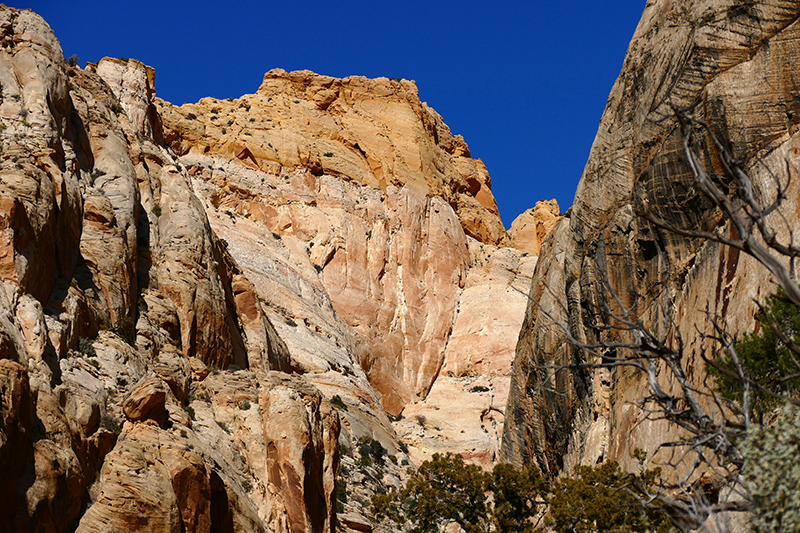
735 62
204 309
391 274
117 297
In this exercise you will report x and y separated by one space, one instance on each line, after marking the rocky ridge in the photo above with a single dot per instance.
203 314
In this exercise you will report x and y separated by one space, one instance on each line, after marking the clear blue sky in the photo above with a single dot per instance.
525 83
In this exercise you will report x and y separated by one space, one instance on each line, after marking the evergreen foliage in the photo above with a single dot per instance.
444 490
516 497
605 498
772 473
764 357
371 451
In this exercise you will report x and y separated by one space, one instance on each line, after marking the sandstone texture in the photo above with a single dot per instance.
369 282
736 63
209 312
374 132
529 230
116 298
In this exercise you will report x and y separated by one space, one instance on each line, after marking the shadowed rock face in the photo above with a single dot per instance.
736 63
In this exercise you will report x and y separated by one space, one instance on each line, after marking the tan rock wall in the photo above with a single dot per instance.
735 62
376 132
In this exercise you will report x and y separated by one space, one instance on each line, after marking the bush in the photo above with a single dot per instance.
605 499
772 473
86 347
442 490
371 450
190 411
126 329
244 405
116 108
157 210
341 490
110 424
597 499
73 60
764 358
515 497
338 402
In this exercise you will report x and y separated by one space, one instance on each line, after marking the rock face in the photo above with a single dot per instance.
375 132
112 280
195 342
380 267
529 230
736 64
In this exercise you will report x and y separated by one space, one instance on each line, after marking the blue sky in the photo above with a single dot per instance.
525 83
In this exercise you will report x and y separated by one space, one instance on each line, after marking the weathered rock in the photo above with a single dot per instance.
133 83
150 481
736 63
16 450
147 401
147 300
529 230
376 132
301 456
463 413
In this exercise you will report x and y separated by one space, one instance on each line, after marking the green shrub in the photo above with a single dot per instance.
764 358
190 411
341 490
86 347
116 108
604 498
73 60
126 329
596 499
338 402
110 424
244 405
157 210
444 489
772 473
371 450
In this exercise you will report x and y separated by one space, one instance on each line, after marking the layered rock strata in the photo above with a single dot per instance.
734 65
